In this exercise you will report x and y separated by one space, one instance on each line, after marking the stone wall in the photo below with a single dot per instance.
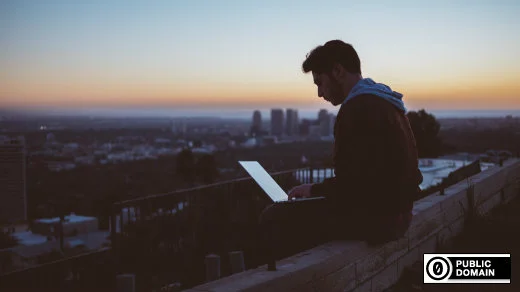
353 266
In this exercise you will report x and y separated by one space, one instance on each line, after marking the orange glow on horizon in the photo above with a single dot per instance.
446 94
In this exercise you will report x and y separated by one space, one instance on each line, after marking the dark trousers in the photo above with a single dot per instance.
290 228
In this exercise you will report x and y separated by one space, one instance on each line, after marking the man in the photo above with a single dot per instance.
375 159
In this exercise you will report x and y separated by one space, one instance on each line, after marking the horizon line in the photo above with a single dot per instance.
243 113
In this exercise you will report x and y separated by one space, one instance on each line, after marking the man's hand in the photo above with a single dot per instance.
301 191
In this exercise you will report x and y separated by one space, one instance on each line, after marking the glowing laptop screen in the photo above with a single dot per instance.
264 180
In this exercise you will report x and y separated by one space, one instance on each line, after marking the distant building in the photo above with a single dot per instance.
257 119
270 140
162 142
256 125
250 143
324 122
315 132
72 226
291 125
304 127
13 197
57 166
277 122
37 249
322 114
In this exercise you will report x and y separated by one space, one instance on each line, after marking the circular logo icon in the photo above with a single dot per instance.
438 268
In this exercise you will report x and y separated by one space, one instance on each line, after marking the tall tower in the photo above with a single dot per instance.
322 114
296 123
13 198
324 122
256 125
277 122
291 126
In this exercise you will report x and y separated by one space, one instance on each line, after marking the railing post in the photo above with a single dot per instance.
267 238
269 246
212 267
236 258
126 283
311 175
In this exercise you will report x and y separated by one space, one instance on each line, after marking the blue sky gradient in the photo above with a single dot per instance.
206 54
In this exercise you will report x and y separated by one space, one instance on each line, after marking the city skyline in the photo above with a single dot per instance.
241 114
232 55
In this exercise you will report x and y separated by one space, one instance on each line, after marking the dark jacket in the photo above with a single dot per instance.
375 159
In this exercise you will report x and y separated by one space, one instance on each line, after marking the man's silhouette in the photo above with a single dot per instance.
375 157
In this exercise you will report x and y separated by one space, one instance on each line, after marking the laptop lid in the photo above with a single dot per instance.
264 180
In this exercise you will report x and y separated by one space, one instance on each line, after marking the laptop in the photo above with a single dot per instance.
268 184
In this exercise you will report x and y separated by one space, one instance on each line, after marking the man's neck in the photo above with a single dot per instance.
351 81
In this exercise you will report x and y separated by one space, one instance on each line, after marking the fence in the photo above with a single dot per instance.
86 272
164 238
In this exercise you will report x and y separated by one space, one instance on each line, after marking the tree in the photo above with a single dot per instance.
186 166
425 128
206 168
62 205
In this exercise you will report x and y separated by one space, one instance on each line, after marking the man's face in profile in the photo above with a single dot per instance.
328 88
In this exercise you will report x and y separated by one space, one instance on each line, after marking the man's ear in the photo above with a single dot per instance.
338 71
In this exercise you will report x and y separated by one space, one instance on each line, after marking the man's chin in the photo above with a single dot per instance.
333 102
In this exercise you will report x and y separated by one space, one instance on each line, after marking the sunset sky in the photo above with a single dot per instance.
248 54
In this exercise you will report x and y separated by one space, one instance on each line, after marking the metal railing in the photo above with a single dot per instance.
184 201
169 234
165 234
92 271
163 238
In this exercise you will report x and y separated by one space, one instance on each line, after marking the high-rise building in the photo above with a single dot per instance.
322 114
304 127
324 122
13 199
291 125
257 119
256 126
277 122
314 132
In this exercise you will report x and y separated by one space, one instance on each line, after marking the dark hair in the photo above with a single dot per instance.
323 58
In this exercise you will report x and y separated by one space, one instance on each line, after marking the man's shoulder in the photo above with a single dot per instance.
369 100
366 104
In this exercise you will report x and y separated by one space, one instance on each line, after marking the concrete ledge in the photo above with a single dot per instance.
455 205
303 268
353 266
